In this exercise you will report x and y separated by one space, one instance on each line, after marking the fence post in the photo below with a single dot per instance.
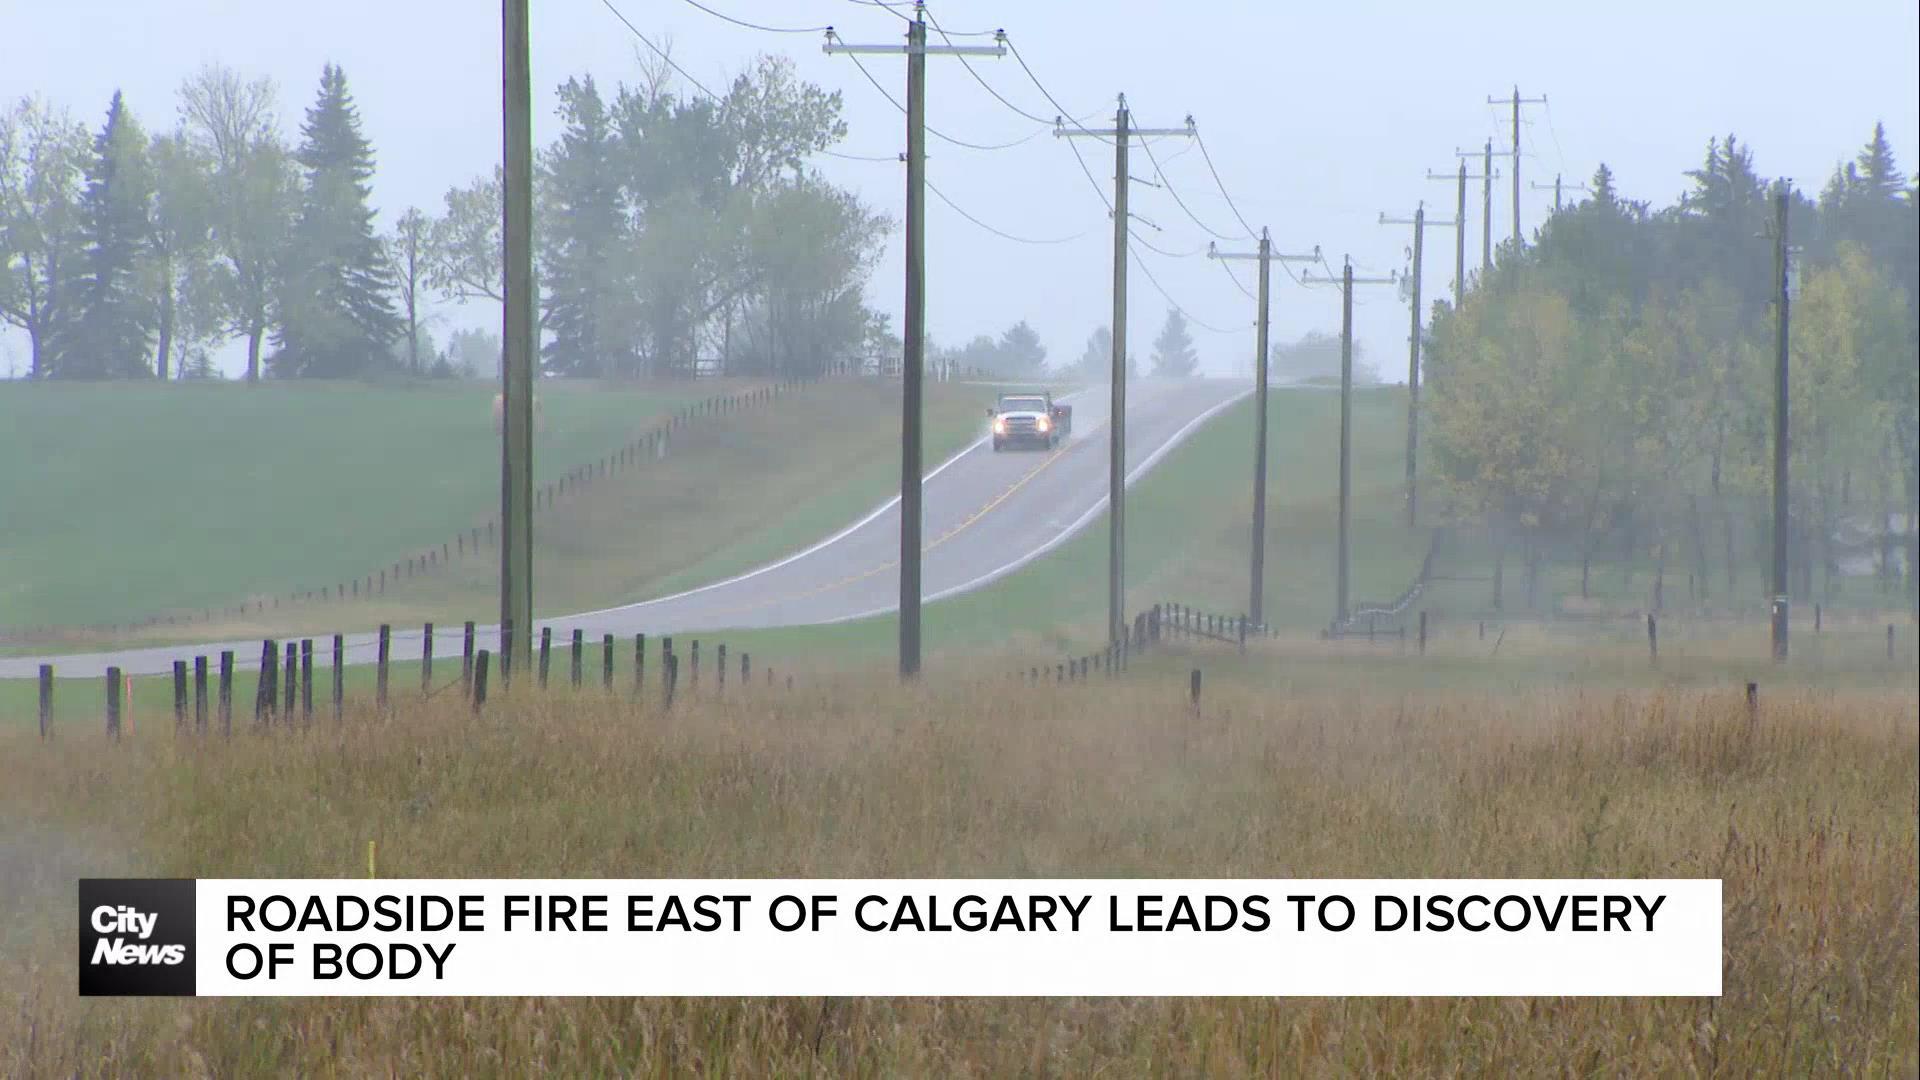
1483 629
720 666
1193 689
639 663
579 648
1243 635
1653 639
226 693
113 703
1816 618
179 696
293 678
546 652
1889 641
267 688
466 659
339 676
380 667
694 683
200 695
426 658
46 699
745 671
606 663
670 674
1423 632
306 680
1753 701
480 681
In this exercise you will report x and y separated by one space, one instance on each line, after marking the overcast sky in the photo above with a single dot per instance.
1318 117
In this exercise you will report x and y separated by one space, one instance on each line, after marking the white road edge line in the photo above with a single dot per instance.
1172 443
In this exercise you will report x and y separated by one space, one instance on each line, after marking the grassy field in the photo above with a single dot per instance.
145 498
1807 814
732 493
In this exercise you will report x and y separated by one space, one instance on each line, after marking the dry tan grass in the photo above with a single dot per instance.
1808 813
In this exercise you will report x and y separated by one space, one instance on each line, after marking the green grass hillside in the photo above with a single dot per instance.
138 499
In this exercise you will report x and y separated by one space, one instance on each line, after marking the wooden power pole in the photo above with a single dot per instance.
1517 101
913 325
1782 199
1117 397
1342 560
1419 221
1256 606
517 342
1460 229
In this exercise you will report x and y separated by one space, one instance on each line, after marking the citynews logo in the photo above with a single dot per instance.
136 937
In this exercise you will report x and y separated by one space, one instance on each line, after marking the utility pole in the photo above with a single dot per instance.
1419 221
517 342
1780 445
1256 607
913 325
1347 282
1487 177
1517 101
1460 224
1117 398
1556 187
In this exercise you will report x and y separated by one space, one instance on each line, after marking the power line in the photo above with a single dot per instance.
1003 235
1065 113
1097 189
1223 187
700 86
723 16
1171 302
983 83
1143 242
1171 190
888 8
1224 265
930 128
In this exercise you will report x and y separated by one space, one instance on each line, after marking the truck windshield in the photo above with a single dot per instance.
1023 404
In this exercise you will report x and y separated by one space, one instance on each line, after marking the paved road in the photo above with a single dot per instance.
985 515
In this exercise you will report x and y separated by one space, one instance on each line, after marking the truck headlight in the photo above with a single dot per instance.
999 427
1043 424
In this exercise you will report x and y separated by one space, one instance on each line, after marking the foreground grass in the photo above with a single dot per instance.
1807 813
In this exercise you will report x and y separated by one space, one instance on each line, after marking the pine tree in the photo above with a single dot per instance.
1878 175
108 333
585 224
1173 352
336 313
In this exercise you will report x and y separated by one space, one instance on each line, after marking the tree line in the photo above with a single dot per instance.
670 230
1609 390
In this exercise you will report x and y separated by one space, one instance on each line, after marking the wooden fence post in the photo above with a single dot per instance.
380 673
339 676
720 667
1753 701
113 703
226 693
306 680
293 678
670 675
200 695
745 671
606 663
179 696
1193 689
693 684
466 659
1889 641
266 689
480 681
1423 632
546 653
579 649
1653 639
426 658
639 663
46 699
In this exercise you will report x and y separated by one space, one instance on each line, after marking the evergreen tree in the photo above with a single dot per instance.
336 313
1877 173
1173 352
1020 350
110 330
1096 359
585 226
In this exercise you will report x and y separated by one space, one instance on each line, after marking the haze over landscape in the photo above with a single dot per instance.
1318 117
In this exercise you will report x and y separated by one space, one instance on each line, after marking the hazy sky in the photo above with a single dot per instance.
1318 116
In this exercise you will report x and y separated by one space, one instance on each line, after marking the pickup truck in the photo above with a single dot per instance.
1030 419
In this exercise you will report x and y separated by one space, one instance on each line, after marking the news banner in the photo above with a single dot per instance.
964 937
